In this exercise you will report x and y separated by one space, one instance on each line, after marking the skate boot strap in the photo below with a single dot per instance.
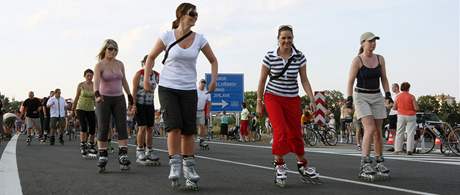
189 161
365 160
279 162
123 150
103 153
175 159
379 159
302 163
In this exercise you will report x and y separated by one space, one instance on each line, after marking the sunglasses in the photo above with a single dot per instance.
112 49
193 14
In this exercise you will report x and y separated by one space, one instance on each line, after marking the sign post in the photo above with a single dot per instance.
320 101
229 92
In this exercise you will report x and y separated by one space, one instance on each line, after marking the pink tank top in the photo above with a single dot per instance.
111 83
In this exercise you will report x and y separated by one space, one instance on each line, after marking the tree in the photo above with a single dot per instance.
250 97
428 103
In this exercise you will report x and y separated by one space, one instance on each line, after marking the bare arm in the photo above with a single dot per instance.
136 79
384 78
355 65
156 50
207 51
77 97
97 76
124 81
264 71
395 105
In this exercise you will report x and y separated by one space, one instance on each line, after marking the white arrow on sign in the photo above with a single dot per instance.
223 104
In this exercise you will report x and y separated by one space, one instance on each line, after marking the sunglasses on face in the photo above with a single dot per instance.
193 14
112 49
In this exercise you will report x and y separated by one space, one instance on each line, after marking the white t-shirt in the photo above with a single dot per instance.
57 106
203 97
392 111
179 71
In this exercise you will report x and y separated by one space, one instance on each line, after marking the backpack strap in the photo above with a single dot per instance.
175 42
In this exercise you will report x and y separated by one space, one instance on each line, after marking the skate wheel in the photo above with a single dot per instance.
101 170
175 184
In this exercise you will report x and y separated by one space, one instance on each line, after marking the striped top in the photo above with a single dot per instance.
286 85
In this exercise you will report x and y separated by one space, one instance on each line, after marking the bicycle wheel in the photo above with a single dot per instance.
453 141
425 141
310 137
331 137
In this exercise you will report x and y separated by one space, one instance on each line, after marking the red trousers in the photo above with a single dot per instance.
285 114
244 127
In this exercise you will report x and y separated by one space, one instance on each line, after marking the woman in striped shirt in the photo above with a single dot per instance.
283 104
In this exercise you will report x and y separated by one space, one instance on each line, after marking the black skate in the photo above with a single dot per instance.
83 150
28 140
382 172
123 158
203 145
52 140
92 152
102 162
151 158
61 140
367 173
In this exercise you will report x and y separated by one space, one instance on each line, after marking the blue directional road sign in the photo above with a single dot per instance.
229 92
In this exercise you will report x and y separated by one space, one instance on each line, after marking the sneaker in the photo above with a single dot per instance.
397 152
409 153
391 149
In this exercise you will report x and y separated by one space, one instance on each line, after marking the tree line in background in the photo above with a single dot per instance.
448 111
439 104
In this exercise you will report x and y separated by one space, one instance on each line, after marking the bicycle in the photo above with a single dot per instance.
428 131
312 133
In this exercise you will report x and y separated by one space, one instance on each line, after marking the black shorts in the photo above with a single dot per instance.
223 129
145 115
179 109
392 120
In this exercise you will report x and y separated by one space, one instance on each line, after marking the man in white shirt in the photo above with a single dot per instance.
204 101
393 114
57 107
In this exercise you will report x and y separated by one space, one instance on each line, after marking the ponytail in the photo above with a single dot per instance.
361 50
175 24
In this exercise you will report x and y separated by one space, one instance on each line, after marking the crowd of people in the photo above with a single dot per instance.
100 105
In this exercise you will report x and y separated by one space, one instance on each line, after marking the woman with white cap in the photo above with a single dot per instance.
369 70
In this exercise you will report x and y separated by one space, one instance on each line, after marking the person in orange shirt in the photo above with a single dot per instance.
406 105
306 117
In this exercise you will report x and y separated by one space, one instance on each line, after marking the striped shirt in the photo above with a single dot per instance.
286 85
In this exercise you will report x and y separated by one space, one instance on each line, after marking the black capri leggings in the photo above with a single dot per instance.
111 106
87 121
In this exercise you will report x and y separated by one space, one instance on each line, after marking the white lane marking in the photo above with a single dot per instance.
322 176
9 176
349 152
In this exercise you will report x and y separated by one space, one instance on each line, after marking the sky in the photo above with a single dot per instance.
47 44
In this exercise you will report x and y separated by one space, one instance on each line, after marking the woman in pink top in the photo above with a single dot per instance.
406 105
109 80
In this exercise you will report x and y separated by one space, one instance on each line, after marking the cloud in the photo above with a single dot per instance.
36 19
128 40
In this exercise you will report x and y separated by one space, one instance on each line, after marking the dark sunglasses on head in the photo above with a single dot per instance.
112 48
193 14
